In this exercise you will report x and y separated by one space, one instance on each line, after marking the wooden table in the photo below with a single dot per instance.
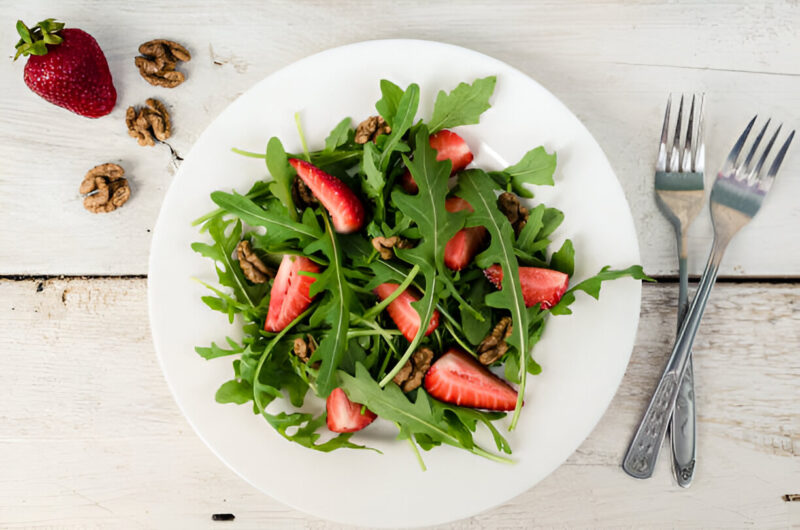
89 434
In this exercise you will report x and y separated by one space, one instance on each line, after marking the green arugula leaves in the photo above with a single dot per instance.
352 340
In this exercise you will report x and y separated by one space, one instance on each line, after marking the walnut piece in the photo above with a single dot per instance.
384 245
158 60
494 345
301 194
410 376
304 349
369 129
252 266
517 214
104 188
149 123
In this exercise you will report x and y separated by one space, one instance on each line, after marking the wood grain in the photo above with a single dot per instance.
91 438
611 62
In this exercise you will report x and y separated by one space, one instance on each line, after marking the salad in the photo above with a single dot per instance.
389 277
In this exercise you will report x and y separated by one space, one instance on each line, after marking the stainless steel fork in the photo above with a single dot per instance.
679 194
737 195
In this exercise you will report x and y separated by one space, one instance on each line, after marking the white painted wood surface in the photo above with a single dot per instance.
612 63
91 438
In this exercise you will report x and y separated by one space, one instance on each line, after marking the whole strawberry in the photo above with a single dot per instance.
67 68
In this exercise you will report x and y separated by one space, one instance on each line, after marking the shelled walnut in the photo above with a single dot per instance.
158 60
104 188
149 123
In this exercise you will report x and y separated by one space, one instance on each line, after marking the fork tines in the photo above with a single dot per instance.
747 171
692 156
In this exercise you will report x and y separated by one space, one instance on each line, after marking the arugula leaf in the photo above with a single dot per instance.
390 100
436 227
374 180
306 433
477 189
463 105
278 227
234 391
334 309
475 330
536 167
221 251
215 351
338 137
564 259
591 286
418 417
470 418
402 121
282 174
551 219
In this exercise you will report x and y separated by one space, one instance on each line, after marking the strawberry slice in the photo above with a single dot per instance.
290 292
346 210
404 316
460 379
344 415
463 246
543 286
449 146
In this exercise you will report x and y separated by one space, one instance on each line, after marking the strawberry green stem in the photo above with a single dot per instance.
34 41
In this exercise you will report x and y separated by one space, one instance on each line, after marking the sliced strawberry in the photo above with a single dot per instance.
449 146
290 292
463 246
344 415
543 286
346 210
405 317
460 379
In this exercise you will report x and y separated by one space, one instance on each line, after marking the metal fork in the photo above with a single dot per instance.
737 195
679 194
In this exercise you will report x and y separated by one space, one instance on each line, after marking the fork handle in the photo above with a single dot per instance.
640 459
682 427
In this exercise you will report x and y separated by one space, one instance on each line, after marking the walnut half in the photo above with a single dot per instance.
158 60
494 345
149 123
104 188
252 266
411 374
384 245
517 214
369 129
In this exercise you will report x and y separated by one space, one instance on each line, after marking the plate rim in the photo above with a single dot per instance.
173 187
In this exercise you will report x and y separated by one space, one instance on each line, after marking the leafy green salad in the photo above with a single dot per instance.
389 277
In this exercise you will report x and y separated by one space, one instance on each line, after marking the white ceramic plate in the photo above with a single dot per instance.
583 355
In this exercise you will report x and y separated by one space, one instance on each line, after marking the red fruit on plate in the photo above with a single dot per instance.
345 209
543 286
463 246
290 292
344 415
404 316
449 146
67 68
460 379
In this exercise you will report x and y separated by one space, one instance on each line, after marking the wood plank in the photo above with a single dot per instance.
90 436
612 63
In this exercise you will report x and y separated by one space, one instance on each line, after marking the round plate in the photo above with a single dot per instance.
583 355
